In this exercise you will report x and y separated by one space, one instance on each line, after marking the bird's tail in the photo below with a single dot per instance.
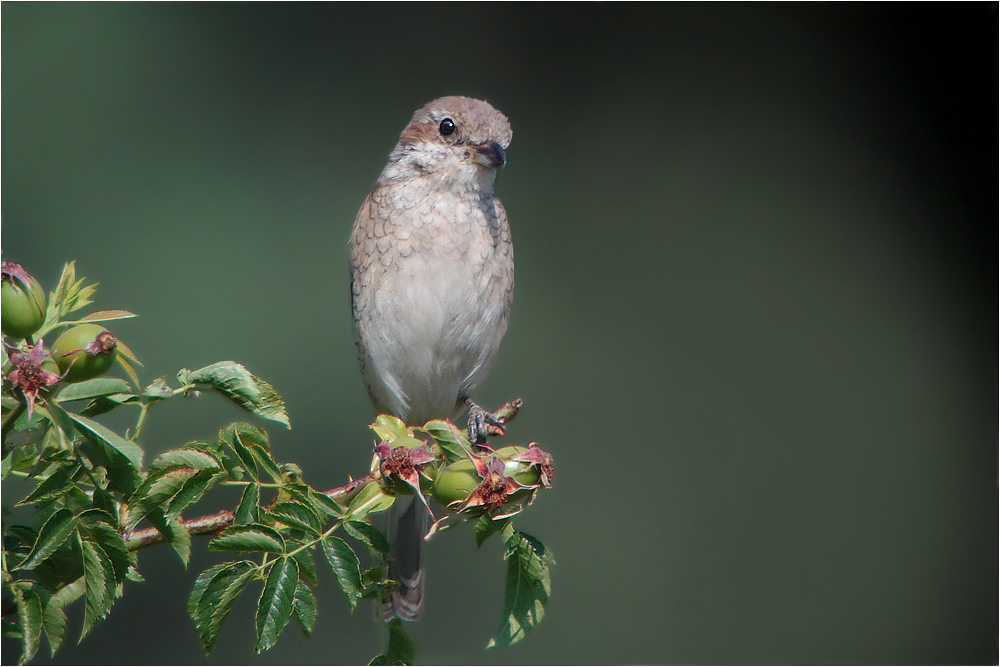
407 526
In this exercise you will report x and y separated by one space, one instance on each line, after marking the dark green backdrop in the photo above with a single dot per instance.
755 318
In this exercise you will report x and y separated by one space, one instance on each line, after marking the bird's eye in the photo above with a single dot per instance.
446 127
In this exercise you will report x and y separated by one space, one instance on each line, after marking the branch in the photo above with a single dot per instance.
215 523
505 414
138 539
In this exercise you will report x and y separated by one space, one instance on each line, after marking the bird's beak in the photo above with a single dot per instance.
490 155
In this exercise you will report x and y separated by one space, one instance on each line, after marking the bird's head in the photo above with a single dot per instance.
457 141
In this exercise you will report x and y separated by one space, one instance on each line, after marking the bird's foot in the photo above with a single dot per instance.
483 423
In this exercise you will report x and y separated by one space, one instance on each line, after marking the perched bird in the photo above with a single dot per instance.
432 278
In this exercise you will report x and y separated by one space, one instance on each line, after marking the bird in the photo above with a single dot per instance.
432 281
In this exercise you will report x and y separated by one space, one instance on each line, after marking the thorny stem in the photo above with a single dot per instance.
203 525
217 522
138 539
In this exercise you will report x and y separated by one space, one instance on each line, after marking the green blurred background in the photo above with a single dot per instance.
755 318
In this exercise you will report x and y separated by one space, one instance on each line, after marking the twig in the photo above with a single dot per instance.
504 414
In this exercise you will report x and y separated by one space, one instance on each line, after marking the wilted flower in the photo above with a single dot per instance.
16 272
537 455
492 492
29 375
402 462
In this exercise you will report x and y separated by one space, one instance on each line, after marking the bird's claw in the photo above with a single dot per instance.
480 423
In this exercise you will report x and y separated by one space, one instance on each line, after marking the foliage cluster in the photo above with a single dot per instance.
96 505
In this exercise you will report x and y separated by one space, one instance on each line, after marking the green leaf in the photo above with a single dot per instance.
25 454
56 530
158 389
62 567
61 423
370 499
105 501
246 458
379 590
174 532
107 316
241 386
276 602
93 389
97 515
346 568
233 465
255 537
122 361
304 607
247 510
527 589
56 485
377 586
251 445
103 404
99 575
111 542
450 438
320 503
202 583
186 457
390 428
69 593
486 527
307 568
54 622
155 492
68 296
370 535
213 595
126 448
247 434
263 457
29 620
194 488
296 515
400 649
326 504
238 437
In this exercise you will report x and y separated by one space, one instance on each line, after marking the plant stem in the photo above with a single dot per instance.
204 524
213 523
139 422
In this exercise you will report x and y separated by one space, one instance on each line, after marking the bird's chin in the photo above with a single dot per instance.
483 161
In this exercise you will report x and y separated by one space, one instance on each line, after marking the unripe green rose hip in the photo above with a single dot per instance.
86 351
455 482
22 302
49 364
523 473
